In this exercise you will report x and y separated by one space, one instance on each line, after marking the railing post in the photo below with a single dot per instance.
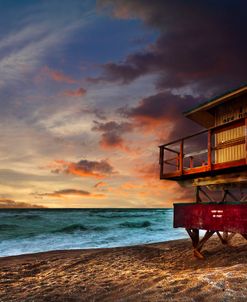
181 157
177 162
209 149
191 162
161 161
246 140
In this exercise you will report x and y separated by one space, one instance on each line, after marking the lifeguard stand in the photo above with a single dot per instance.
213 160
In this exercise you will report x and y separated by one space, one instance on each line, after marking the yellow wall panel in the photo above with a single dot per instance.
233 152
225 113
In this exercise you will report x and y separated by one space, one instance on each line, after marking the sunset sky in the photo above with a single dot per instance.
89 89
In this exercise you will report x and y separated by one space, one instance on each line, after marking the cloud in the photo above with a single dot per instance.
78 92
100 184
83 168
148 171
112 133
69 192
65 192
98 112
200 44
8 203
39 32
123 72
57 76
163 110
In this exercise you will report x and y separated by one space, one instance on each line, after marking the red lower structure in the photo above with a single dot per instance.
211 216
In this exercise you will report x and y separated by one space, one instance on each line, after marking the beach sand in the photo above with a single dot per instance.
156 272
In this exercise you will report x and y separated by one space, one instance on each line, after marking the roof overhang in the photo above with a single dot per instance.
202 115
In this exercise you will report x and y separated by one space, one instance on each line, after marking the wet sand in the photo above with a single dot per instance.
156 272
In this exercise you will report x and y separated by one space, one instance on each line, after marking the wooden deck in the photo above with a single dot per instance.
176 163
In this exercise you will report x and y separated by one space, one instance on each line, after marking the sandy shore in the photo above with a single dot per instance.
156 272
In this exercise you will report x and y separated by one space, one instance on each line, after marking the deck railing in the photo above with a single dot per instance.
196 153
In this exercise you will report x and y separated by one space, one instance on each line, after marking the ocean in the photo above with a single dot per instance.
25 231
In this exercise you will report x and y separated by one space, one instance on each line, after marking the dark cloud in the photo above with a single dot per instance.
8 203
99 113
112 132
162 109
77 92
83 168
65 192
100 184
69 192
200 43
124 72
159 106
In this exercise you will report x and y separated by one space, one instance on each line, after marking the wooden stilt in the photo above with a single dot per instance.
194 235
226 237
197 243
244 198
223 238
228 192
206 194
245 236
198 198
232 196
225 192
204 239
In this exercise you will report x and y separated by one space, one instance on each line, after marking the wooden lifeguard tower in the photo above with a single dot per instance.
214 161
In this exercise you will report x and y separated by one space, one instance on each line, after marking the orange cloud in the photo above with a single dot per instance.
130 186
148 171
58 76
7 204
161 114
100 184
69 192
83 168
112 132
75 93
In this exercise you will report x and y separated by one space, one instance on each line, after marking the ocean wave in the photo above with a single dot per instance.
78 227
8 227
142 224
121 216
21 217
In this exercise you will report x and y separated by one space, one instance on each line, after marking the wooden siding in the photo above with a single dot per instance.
233 110
226 113
224 153
204 114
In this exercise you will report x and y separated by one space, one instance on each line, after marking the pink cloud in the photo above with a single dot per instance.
83 168
78 92
111 134
8 203
69 192
58 76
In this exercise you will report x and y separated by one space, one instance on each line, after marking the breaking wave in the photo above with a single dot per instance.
29 231
78 227
131 225
8 227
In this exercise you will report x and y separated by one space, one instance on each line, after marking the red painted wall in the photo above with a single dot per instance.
213 217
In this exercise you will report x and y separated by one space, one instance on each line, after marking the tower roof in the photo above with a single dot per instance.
201 114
